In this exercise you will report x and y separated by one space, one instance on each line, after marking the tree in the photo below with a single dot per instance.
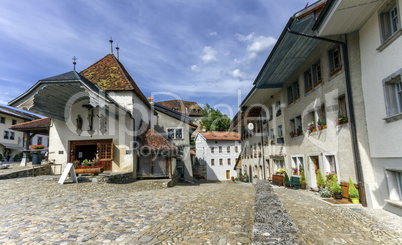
214 120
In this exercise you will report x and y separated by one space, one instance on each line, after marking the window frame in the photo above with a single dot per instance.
389 28
3 120
6 135
293 92
393 96
174 133
335 68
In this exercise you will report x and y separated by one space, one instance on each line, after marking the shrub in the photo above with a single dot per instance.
320 179
85 163
286 177
353 192
330 179
302 178
336 188
325 192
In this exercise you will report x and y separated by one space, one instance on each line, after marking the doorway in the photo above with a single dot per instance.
227 174
102 150
316 166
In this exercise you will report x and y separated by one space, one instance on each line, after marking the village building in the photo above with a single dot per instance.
334 108
100 114
218 152
177 128
188 108
11 140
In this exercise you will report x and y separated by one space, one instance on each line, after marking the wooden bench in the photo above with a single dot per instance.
277 179
294 182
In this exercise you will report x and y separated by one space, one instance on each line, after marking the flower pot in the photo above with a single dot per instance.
338 195
355 200
303 186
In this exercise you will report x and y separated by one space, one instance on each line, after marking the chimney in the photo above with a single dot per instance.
151 100
204 129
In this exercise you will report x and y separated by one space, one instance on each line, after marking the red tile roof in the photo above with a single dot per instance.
109 74
152 140
221 135
183 107
39 123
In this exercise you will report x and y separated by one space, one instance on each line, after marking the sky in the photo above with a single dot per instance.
207 51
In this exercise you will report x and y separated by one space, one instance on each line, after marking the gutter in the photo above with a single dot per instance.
352 120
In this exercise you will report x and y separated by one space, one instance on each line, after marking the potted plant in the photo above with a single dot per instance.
336 190
303 180
320 180
292 134
311 127
353 192
341 120
286 179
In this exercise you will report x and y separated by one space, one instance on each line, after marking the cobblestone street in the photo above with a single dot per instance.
322 223
40 211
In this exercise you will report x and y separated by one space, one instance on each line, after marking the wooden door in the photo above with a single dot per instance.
227 174
316 166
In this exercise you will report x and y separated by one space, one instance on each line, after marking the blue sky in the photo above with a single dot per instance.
208 51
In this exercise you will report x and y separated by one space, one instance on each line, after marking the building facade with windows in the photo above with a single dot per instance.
379 31
219 152
11 141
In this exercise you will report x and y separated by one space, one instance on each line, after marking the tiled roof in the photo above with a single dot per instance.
17 113
39 123
109 74
221 135
152 140
175 114
183 106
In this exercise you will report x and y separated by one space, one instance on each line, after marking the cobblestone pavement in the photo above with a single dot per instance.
41 211
322 223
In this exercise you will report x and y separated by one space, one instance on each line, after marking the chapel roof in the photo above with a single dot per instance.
39 123
110 75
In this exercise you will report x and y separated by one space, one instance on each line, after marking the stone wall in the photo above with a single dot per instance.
272 224
34 171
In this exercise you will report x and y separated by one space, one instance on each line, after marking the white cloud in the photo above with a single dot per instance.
214 33
195 68
209 54
256 44
236 73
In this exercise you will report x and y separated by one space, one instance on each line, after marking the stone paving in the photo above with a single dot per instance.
40 211
321 223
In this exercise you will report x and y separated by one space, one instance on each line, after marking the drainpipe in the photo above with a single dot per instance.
262 149
352 121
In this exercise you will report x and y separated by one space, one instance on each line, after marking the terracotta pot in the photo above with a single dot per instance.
338 195
303 186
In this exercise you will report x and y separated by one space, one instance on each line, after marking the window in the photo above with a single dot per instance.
293 92
278 108
280 132
220 149
175 133
322 116
312 77
12 135
14 122
393 93
39 140
296 126
236 149
330 159
271 133
342 112
221 161
229 161
6 135
335 63
2 120
271 113
228 149
212 149
213 162
389 19
297 164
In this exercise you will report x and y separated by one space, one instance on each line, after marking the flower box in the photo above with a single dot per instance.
36 147
86 170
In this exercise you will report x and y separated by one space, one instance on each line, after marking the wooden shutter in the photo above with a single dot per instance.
105 151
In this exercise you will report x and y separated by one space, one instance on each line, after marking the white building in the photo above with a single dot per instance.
11 141
378 25
219 151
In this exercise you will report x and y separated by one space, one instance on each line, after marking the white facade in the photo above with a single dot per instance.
219 156
381 72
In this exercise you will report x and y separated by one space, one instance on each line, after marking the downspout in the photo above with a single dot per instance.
352 121
262 149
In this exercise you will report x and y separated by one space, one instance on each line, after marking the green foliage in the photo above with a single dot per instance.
325 192
302 177
18 156
1 156
286 177
320 179
85 163
336 188
353 192
214 120
330 179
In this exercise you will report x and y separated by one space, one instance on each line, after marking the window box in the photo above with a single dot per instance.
280 140
341 120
